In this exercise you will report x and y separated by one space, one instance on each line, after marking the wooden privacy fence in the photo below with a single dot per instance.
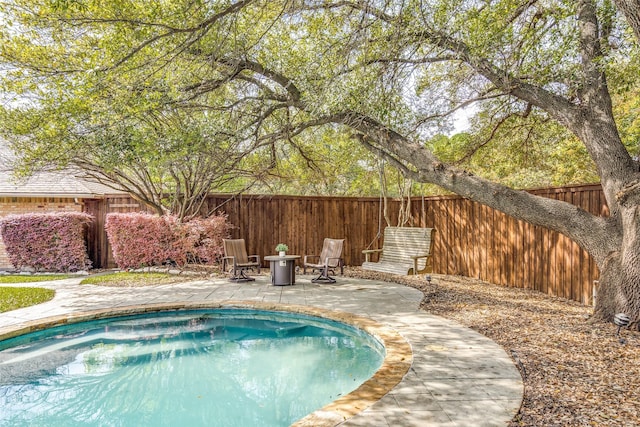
471 239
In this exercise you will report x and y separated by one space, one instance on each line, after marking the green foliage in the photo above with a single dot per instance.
281 247
12 298
627 111
307 165
157 98
140 114
518 152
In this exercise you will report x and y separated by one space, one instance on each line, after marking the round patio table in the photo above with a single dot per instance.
283 269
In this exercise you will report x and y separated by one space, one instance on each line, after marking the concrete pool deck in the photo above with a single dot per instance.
457 376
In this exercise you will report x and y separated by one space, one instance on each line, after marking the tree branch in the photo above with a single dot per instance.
202 27
631 11
554 214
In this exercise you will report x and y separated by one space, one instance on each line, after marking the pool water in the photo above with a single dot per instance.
222 367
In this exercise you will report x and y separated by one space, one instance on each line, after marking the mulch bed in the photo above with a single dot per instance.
576 371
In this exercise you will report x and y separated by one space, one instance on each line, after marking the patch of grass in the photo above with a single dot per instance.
22 278
14 298
132 279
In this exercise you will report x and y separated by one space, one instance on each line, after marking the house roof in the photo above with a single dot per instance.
63 183
52 184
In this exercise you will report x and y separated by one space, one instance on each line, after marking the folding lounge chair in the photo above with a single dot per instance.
235 256
329 259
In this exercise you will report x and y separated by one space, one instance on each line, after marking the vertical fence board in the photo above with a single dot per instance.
484 241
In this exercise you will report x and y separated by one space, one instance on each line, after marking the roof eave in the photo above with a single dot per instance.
56 195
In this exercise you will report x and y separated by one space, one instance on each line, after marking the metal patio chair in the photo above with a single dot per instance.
328 261
235 257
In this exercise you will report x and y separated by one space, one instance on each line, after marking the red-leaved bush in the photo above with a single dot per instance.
47 241
144 240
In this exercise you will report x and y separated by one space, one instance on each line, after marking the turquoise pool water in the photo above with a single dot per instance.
222 367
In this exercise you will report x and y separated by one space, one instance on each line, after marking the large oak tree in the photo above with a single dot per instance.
389 72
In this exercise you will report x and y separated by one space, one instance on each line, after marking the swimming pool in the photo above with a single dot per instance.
188 367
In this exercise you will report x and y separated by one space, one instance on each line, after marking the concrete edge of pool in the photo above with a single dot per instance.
397 362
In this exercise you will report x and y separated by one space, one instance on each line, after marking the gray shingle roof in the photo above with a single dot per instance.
52 184
48 184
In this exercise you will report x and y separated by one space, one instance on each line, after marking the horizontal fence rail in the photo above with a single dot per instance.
471 239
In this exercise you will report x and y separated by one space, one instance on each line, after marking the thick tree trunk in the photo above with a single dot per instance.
631 10
619 290
620 271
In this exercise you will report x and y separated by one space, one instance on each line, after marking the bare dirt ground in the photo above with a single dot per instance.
576 372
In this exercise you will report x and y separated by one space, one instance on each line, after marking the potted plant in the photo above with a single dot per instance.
282 249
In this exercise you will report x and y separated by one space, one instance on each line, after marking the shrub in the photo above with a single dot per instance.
144 240
49 241
209 233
